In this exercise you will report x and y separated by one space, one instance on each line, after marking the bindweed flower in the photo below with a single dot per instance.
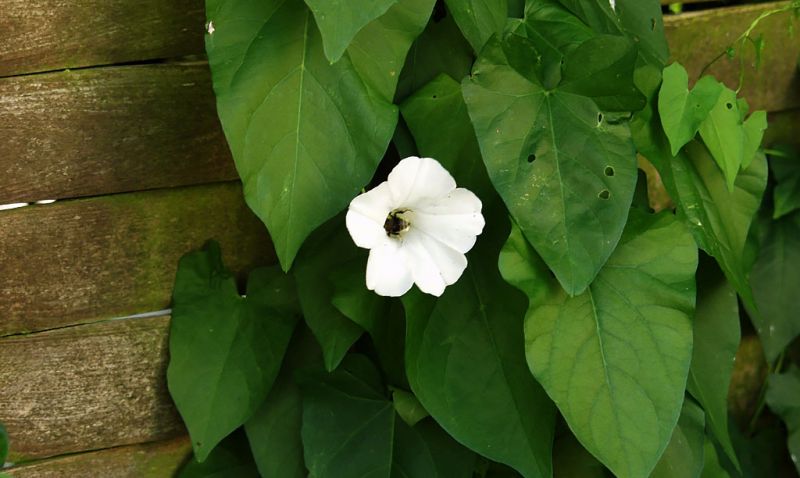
417 226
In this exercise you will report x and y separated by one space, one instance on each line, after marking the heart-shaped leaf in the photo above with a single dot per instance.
225 349
587 351
290 116
683 111
566 173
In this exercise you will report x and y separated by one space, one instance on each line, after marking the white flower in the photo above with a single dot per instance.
418 226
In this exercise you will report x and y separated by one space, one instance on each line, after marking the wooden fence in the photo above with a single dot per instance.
106 106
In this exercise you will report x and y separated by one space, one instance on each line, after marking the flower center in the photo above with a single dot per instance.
395 223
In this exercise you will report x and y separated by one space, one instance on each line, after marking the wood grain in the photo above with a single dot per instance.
88 259
149 460
41 35
108 130
696 38
86 387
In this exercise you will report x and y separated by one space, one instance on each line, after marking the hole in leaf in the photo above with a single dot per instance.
651 210
599 117
609 171
531 158
434 97
729 106
653 24
604 194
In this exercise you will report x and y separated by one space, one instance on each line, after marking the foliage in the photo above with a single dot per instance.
588 334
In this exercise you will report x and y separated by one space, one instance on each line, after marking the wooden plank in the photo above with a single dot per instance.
783 129
695 38
42 35
107 130
151 460
86 387
88 259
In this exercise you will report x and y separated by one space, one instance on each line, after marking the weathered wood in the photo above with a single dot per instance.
82 260
150 460
695 38
41 35
783 129
86 387
106 130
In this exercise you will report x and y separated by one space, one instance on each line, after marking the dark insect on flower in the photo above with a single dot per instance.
395 224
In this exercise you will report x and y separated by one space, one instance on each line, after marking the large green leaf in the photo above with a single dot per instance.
274 430
439 49
711 464
684 456
776 281
290 116
783 398
328 252
566 174
465 363
716 339
479 19
340 21
225 350
231 459
615 359
683 111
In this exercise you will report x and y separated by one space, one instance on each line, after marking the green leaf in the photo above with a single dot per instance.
639 20
776 280
479 19
408 407
451 459
786 194
754 128
231 459
598 76
724 135
440 49
684 456
348 425
438 119
3 444
718 219
225 350
340 21
716 339
328 251
464 358
683 111
290 116
589 351
566 174
274 430
782 397
711 466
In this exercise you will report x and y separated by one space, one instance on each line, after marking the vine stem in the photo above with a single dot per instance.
795 5
762 394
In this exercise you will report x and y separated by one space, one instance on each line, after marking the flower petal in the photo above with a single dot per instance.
415 180
387 269
367 214
454 220
433 265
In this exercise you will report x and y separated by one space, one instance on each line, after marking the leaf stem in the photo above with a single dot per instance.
795 5
762 394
